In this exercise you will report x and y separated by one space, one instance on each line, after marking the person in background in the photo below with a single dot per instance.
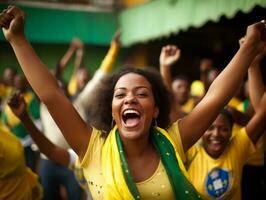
55 153
6 84
215 164
80 74
17 181
179 85
15 125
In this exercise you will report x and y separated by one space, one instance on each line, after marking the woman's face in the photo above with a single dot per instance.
133 106
216 138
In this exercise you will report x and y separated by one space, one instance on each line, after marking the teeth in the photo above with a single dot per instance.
214 141
131 112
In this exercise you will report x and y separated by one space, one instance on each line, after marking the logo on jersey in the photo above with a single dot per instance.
217 183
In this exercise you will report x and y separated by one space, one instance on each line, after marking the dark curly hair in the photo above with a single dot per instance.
100 114
228 116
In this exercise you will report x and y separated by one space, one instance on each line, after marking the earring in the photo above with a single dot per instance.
155 122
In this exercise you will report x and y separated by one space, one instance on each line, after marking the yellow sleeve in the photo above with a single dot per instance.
72 85
110 58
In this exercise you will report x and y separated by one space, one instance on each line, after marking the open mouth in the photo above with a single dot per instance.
131 117
215 141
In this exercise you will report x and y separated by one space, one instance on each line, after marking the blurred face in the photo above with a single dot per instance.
181 90
216 138
8 76
133 106
20 83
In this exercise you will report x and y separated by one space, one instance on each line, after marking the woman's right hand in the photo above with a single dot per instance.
12 20
256 36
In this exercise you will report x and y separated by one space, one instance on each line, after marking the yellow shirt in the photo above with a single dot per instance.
257 157
17 182
221 177
157 187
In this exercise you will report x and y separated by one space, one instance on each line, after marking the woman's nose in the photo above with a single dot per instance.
130 98
215 131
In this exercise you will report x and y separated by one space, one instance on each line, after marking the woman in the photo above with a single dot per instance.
134 106
215 164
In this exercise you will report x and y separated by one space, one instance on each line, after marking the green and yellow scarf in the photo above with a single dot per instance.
119 182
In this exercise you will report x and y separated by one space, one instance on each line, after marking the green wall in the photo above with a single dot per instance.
51 53
46 25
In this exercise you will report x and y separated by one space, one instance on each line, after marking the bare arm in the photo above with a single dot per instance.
61 66
256 126
223 88
255 81
170 54
53 152
44 84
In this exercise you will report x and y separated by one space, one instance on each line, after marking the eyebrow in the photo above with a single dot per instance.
136 88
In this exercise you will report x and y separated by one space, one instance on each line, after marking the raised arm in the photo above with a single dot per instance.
255 81
223 87
43 83
170 54
53 152
61 65
257 125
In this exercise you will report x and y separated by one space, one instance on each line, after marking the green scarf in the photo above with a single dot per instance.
181 186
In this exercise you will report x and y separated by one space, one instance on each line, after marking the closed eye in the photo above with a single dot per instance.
119 95
142 94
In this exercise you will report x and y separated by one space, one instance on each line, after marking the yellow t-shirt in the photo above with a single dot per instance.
157 187
17 182
257 157
5 90
220 178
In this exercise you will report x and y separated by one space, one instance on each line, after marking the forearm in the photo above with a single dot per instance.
166 75
35 71
224 86
66 58
220 92
256 126
45 146
255 85
79 58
